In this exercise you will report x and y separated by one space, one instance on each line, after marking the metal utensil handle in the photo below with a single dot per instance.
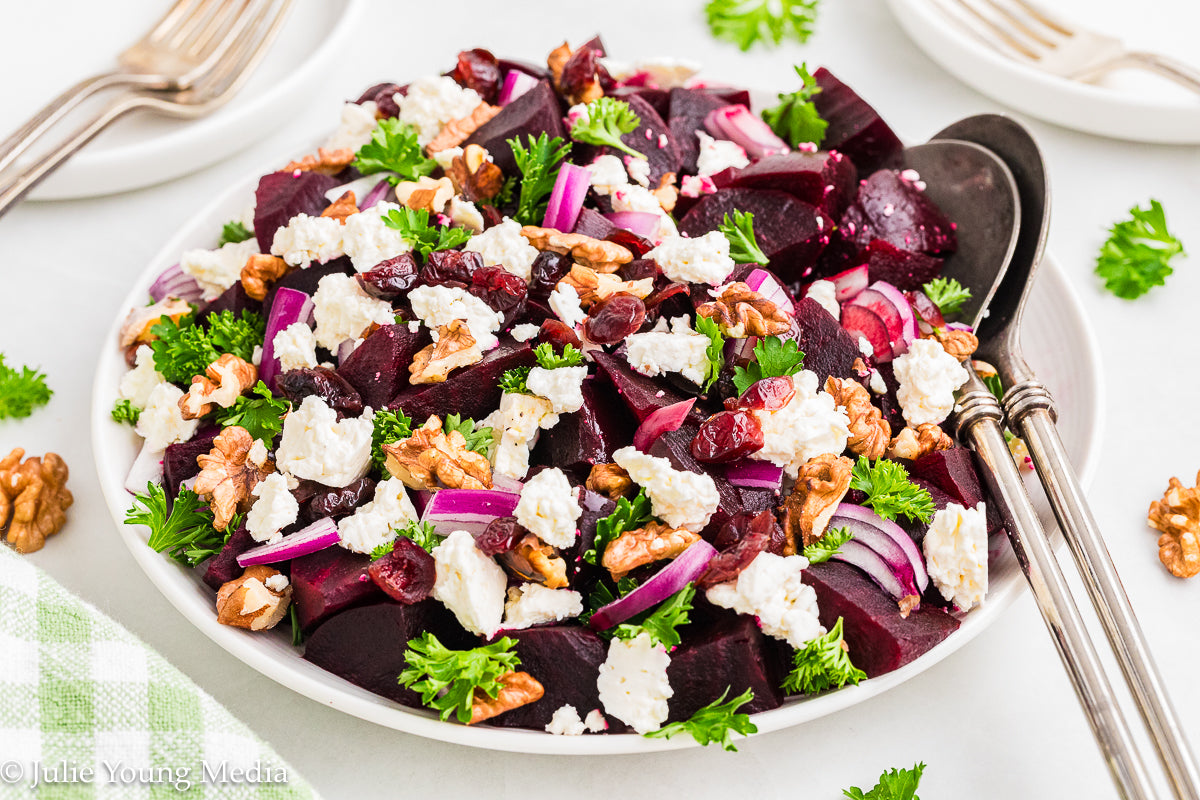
978 425
1173 70
1030 411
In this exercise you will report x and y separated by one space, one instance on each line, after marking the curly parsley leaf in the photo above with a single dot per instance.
514 381
233 232
478 440
828 545
604 122
1137 255
715 351
21 390
947 294
183 528
897 784
125 411
747 22
261 416
661 622
390 426
889 491
773 357
538 162
743 248
822 664
796 119
394 148
447 680
629 515
546 359
715 722
425 238
185 348
421 534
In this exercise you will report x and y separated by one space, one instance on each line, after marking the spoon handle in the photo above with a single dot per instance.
979 425
1030 410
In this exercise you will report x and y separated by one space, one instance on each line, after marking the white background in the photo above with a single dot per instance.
996 720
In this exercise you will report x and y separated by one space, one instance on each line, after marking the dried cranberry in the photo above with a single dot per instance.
637 269
478 69
501 290
547 270
500 536
391 278
382 95
336 502
556 333
326 384
451 268
657 297
741 539
492 216
407 573
579 72
768 394
927 310
631 242
727 436
612 320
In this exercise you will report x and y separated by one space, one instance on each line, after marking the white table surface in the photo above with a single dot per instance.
996 720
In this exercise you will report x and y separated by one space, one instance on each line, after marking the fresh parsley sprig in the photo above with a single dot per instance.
478 440
21 390
606 121
796 119
747 22
773 357
390 426
821 664
661 622
715 722
421 534
233 232
897 784
889 491
715 352
425 238
743 248
539 163
515 380
947 294
125 411
1137 256
185 530
548 359
629 515
448 679
394 148
261 416
184 348
828 545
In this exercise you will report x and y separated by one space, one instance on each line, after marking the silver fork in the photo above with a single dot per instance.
258 29
1024 31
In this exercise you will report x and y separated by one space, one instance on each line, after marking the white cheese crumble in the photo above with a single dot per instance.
138 383
307 239
704 259
277 582
562 386
639 170
564 302
317 446
811 424
770 589
956 554
517 421
566 722
433 101
877 383
632 197
679 349
717 155
274 509
368 240
503 245
825 293
928 377
439 305
679 498
217 270
161 422
465 214
355 129
342 310
864 346
525 331
534 604
295 347
469 583
633 682
374 523
608 173
548 508
595 721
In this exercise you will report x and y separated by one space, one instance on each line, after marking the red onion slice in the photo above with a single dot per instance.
175 282
754 474
516 83
467 510
686 567
660 421
849 283
290 306
739 125
859 517
566 199
317 536
764 283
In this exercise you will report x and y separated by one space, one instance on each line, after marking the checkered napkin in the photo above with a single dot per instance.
89 711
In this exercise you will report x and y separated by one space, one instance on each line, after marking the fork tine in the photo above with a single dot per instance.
179 15
258 32
1055 24
201 12
1021 24
228 12
993 33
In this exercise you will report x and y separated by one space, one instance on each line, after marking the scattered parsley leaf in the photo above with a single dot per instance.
538 163
947 294
828 545
21 391
186 530
297 631
661 621
992 382
126 411
715 352
629 515
743 248
796 119
261 416
773 357
822 664
1137 255
185 348
896 784
478 440
421 534
394 148
546 359
606 121
390 426
503 197
626 585
715 722
889 491
425 238
746 22
233 232
448 679
513 381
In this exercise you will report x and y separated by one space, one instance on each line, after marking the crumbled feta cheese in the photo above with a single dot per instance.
533 604
258 453
864 346
704 259
632 197
679 349
928 377
137 384
277 582
217 270
696 185
525 331
504 245
770 590
161 422
639 170
563 387
517 423
595 721
355 129
374 524
718 154
307 239
445 158
809 425
469 583
566 722
956 554
295 347
433 101
877 383
342 310
368 240
608 173
274 509
548 508
679 498
438 305
317 446
465 214
825 293
564 302
633 682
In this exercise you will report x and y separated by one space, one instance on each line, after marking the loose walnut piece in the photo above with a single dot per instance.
869 431
248 602
425 194
458 131
592 286
474 176
35 494
534 560
645 545
740 312
610 480
518 689
227 474
912 443
261 270
137 325
345 206
1177 515
820 486
667 194
221 384
431 459
455 348
595 254
958 343
328 162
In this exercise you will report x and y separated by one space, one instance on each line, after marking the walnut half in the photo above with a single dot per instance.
260 271
35 495
252 601
595 254
645 545
432 459
610 480
740 312
821 484
869 431
912 443
455 348
228 475
1177 515
221 384
517 689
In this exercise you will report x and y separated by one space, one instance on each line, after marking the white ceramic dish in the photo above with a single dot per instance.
143 149
1127 105
1057 336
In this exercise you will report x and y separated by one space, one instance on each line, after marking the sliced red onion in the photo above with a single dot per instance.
960 326
850 283
907 318
643 223
317 536
686 567
290 306
344 350
375 195
566 199
146 468
175 282
660 421
889 575
739 125
503 483
763 282
467 510
754 474
859 519
516 83
740 351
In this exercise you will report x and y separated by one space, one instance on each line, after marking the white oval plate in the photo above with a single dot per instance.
143 149
1061 347
1126 105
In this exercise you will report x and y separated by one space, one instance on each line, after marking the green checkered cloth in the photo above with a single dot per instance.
89 711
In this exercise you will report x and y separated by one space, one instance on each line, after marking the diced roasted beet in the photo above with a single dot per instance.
888 402
501 290
451 268
953 471
589 436
901 268
891 208
660 99
791 233
732 654
383 95
179 460
329 580
282 195
916 530
880 640
330 501
306 280
642 395
595 508
234 299
378 368
391 277
855 128
366 645
336 391
472 392
594 224
223 567
652 138
531 114
478 69
826 180
687 110
828 349
406 574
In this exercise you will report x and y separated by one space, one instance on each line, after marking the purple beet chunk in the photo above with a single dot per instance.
223 567
791 233
826 180
329 580
892 209
531 114
595 508
642 395
903 269
589 436
179 460
828 349
378 368
306 280
953 471
594 224
687 109
733 654
916 530
855 128
472 392
660 99
880 640
652 138
282 195
234 299
366 645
